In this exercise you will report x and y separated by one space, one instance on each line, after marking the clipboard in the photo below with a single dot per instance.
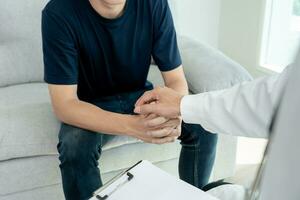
146 181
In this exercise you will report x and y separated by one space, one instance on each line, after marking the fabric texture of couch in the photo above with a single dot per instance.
29 129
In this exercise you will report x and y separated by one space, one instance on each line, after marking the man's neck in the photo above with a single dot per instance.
108 10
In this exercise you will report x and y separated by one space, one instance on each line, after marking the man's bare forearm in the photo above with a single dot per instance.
71 110
90 117
87 116
179 86
176 80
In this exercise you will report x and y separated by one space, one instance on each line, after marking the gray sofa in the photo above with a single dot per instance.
28 128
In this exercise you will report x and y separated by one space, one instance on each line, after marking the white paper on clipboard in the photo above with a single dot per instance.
151 183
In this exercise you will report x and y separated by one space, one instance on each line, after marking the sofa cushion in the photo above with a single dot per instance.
43 193
28 125
45 169
20 41
208 69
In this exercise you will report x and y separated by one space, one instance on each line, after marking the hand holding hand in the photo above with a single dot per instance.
167 103
155 129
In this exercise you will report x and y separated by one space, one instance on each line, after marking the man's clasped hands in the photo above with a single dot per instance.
156 122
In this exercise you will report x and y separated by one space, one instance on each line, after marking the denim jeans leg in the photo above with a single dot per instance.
79 152
197 154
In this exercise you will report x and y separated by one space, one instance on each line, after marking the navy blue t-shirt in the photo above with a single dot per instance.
102 56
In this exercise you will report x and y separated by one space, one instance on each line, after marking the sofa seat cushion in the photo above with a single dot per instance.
45 169
28 125
53 192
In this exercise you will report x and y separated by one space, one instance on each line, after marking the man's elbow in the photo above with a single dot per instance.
62 99
61 110
58 112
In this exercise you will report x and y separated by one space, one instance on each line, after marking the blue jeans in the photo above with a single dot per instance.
79 151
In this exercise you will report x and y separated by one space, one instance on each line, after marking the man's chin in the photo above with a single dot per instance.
114 2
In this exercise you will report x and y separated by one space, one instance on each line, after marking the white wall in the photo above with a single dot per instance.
233 26
240 36
199 19
281 35
240 31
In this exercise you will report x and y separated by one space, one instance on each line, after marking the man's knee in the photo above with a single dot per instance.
78 146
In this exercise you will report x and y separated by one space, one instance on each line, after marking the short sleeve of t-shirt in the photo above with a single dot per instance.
165 49
60 54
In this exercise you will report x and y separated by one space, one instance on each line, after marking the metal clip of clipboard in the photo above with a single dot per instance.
129 178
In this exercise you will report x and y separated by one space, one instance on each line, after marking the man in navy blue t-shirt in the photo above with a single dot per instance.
97 55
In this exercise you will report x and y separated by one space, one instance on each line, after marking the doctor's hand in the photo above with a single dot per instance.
167 103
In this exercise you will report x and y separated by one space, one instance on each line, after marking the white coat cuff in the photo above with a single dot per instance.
189 111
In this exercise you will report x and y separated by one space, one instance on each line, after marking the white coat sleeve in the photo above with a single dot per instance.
243 110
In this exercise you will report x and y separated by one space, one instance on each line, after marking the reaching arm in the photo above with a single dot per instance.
243 110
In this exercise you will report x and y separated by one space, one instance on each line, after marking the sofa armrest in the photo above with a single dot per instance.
208 69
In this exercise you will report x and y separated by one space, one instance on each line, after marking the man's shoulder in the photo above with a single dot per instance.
59 7
156 4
